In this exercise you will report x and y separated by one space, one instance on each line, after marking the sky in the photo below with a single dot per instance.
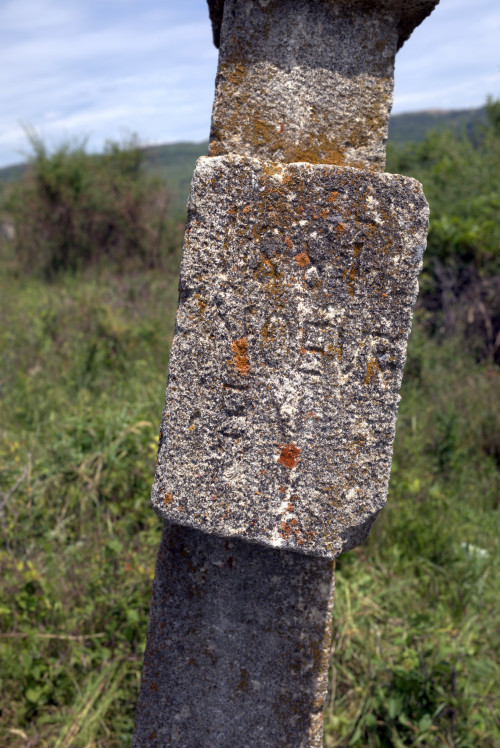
106 69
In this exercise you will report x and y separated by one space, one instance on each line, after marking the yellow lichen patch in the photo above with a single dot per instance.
215 148
351 276
202 304
352 273
240 356
268 332
371 370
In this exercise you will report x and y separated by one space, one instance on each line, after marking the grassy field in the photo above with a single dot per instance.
415 654
84 352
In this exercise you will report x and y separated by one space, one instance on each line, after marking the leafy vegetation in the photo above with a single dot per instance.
416 645
72 210
460 285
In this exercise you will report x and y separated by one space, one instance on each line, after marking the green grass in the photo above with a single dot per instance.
417 637
415 654
83 372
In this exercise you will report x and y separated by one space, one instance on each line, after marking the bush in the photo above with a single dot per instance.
460 284
72 210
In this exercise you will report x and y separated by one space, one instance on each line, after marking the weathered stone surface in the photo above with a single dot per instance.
296 295
410 13
238 646
308 81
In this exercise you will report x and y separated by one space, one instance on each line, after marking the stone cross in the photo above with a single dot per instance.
298 280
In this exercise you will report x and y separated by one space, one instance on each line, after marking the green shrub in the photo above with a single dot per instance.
460 284
72 210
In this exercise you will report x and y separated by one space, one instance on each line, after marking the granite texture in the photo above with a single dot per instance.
410 14
308 81
304 81
296 295
238 646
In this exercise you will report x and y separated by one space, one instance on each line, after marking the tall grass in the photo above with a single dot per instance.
84 365
416 634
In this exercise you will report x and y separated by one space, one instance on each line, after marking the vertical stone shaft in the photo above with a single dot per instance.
305 81
239 634
237 648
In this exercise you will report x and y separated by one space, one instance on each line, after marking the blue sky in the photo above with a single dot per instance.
104 69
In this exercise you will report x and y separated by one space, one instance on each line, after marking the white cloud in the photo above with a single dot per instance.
452 60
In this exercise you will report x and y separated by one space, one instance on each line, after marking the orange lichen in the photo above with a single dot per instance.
240 356
302 259
285 530
167 499
289 456
290 527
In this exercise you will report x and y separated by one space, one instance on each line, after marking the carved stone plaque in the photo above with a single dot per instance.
296 294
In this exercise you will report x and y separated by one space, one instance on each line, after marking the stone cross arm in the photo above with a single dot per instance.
296 295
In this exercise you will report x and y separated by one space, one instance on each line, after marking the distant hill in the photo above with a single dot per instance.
11 173
414 126
174 162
